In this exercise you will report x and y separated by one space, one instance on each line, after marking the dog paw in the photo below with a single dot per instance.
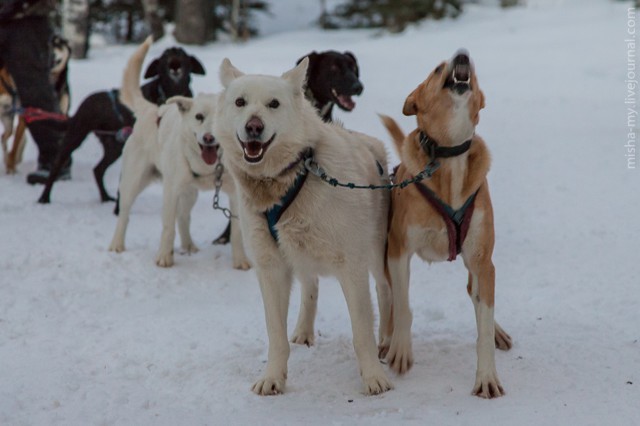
377 384
303 337
269 386
165 260
488 386
503 340
189 249
117 247
242 265
383 347
400 356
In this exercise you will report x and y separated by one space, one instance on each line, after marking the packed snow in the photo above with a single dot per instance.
93 337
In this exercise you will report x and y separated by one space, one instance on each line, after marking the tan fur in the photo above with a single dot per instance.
417 228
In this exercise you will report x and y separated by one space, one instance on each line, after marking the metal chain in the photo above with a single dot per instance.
318 171
217 176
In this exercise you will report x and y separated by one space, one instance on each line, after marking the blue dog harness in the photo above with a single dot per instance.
275 212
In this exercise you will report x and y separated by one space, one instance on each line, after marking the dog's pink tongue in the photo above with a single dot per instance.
209 154
346 102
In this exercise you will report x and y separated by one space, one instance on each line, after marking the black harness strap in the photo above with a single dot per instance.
275 212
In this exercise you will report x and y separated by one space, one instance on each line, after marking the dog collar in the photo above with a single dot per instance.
275 212
433 150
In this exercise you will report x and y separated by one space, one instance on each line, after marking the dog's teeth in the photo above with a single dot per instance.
253 156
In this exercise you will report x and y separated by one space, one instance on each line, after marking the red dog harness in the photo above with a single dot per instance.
457 221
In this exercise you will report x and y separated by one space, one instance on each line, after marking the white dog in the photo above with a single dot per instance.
268 130
174 141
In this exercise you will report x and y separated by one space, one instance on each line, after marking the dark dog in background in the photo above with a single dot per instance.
333 78
103 114
9 102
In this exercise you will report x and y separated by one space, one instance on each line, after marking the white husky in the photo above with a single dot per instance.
175 142
267 130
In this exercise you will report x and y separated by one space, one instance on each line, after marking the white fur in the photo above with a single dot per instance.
325 231
170 149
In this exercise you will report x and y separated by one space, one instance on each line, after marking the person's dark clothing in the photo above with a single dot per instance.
24 49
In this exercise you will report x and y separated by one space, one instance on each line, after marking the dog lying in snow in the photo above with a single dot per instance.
174 142
296 224
447 215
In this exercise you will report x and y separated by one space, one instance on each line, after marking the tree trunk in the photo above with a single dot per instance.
75 26
191 21
152 16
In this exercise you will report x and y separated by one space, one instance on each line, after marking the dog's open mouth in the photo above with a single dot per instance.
344 101
209 153
254 150
459 80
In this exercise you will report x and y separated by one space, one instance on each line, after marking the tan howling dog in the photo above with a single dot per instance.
447 215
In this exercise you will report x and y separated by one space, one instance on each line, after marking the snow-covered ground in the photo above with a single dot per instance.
92 337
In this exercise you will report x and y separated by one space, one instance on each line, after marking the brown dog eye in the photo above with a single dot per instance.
274 104
240 102
200 117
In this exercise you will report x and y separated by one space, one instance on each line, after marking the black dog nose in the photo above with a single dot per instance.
254 127
357 88
208 139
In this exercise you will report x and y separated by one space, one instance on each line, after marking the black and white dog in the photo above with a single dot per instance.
333 78
103 114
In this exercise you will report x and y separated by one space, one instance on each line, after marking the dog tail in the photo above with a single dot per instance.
130 92
394 130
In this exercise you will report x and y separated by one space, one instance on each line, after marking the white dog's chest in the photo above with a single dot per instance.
306 248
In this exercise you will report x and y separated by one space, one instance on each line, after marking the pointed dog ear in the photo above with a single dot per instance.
183 103
196 66
153 69
355 61
228 72
410 106
298 75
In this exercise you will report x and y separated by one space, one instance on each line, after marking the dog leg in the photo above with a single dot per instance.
238 255
355 286
304 332
383 291
21 140
400 355
275 285
6 118
170 196
487 384
186 202
133 180
112 151
503 340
